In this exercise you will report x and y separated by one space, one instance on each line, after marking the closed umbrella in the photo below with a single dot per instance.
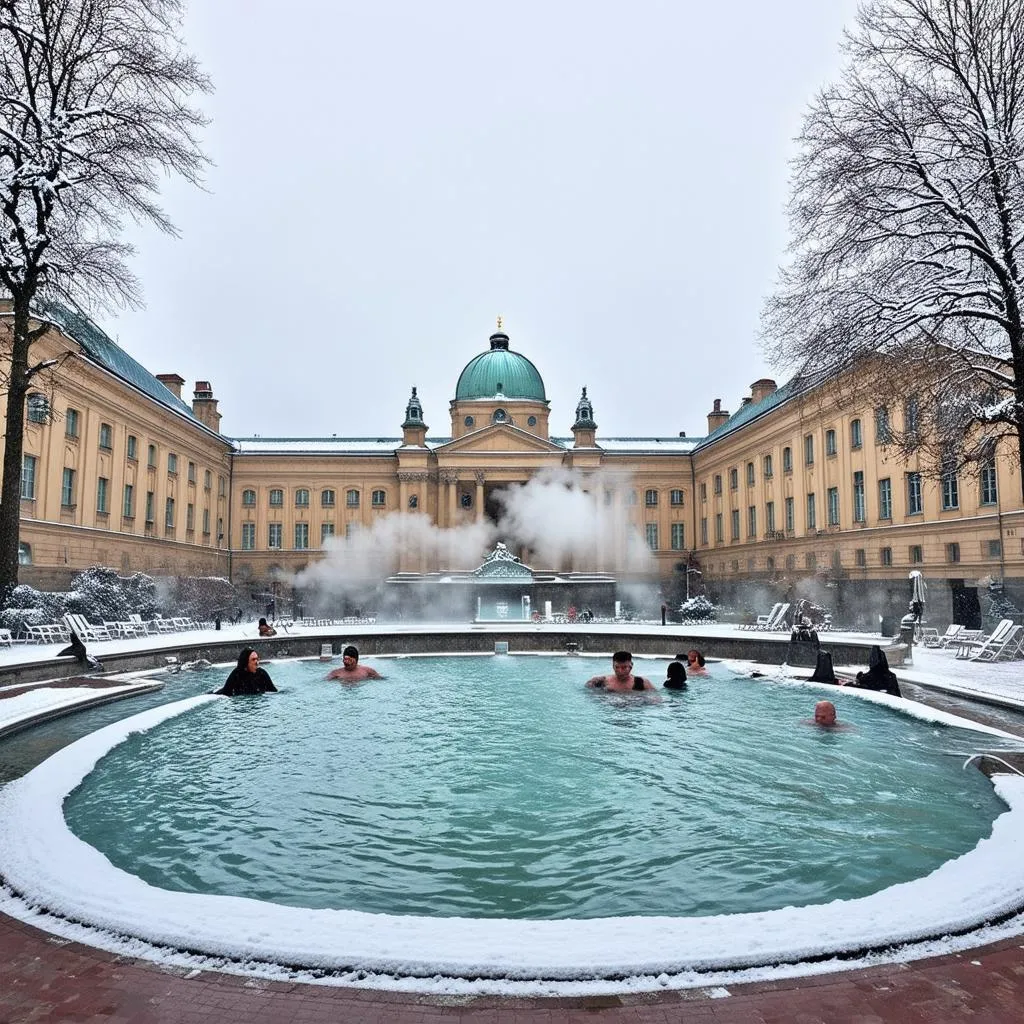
918 595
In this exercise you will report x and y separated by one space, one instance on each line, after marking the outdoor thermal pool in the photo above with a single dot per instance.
500 789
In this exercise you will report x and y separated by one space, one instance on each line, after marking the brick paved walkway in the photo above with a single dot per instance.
44 979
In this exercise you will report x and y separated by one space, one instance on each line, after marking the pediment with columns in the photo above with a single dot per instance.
499 437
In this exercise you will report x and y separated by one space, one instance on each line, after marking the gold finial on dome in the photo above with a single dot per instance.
499 323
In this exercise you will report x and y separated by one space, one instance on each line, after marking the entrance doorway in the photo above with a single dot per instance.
966 606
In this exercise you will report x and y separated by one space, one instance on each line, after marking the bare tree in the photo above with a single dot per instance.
907 215
94 107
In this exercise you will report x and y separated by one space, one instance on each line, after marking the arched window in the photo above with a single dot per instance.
276 497
531 421
352 499
24 554
650 498
499 416
469 421
414 501
327 498
378 499
302 498
248 498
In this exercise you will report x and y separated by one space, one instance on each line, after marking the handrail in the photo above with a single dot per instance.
994 758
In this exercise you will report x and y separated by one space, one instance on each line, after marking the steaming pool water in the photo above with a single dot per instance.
501 788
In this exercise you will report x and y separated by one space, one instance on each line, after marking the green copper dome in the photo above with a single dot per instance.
500 371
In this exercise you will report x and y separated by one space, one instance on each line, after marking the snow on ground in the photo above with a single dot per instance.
48 867
45 701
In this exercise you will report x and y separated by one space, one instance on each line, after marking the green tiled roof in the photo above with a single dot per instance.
111 356
500 371
752 410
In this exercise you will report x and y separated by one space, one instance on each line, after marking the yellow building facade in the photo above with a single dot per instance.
120 470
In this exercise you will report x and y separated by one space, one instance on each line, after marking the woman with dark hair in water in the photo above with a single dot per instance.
694 662
247 676
675 677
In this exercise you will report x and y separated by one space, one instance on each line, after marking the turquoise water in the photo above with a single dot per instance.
500 787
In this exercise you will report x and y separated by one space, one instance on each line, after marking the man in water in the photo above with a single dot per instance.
622 679
825 716
351 671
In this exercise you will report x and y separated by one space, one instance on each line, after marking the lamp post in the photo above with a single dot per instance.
695 572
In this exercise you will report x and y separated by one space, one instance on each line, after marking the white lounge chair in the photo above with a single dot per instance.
1003 649
763 620
971 648
952 632
779 619
85 630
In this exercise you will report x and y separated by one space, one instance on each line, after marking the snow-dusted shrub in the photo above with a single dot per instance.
697 609
200 597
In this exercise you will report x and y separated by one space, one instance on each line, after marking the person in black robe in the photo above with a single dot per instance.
247 676
878 676
823 670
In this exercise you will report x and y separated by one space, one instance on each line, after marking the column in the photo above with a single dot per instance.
403 507
479 475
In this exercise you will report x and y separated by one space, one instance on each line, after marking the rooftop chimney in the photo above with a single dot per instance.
717 416
172 382
761 389
204 405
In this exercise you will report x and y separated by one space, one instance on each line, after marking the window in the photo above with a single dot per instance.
769 516
719 528
790 515
830 442
915 504
950 491
734 524
856 434
718 483
326 530
206 522
350 529
678 539
67 489
609 498
812 513
102 495
675 497
787 460
222 487
916 553
703 491
128 505
885 556
276 497
207 480
274 535
151 456
995 548
858 498
132 451
790 562
150 507
190 517
631 498
301 536
191 472
352 499
811 560
248 498
468 421
766 467
809 450
650 498
500 416
883 435
912 415
71 423
172 463
885 499
106 436
860 557
327 499
414 501
734 479
169 514
752 521
989 488
248 536
651 531
531 421
220 529
832 497
302 498
378 499
769 563
24 553
953 552
466 499
750 474
704 530
28 477
38 407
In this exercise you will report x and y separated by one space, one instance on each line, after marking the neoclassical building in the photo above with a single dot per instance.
121 470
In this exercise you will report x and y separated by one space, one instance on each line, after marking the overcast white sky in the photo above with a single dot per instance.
390 176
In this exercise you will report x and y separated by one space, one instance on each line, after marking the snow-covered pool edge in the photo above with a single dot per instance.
42 861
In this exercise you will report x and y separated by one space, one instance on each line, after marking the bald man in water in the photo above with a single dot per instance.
825 716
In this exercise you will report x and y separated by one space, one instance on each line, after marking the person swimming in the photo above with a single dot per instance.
694 662
675 677
247 677
622 679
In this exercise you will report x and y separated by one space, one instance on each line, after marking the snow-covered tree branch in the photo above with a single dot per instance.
907 218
